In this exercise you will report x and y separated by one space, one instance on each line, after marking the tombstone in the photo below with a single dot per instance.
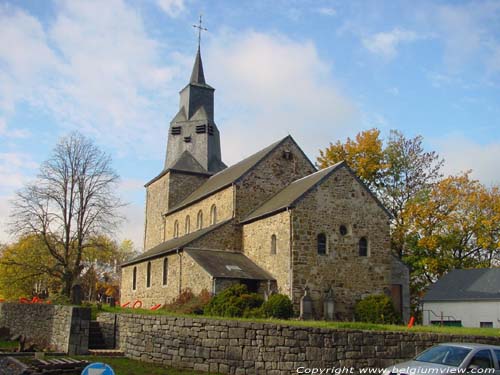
76 294
306 305
329 306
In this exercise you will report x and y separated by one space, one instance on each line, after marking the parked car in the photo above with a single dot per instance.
451 358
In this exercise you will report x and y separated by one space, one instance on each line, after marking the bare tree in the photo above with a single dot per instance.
72 201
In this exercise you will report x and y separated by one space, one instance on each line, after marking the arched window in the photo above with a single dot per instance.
321 244
148 275
176 229
134 278
213 214
187 225
165 271
199 220
363 247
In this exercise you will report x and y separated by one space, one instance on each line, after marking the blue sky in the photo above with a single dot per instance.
319 70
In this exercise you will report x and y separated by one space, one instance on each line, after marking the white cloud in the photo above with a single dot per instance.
171 7
15 170
385 44
462 154
94 68
270 86
326 11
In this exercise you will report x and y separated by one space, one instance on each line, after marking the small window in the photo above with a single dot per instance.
273 244
486 324
134 278
199 220
321 244
176 130
363 247
165 271
343 230
148 275
213 214
176 229
187 139
187 225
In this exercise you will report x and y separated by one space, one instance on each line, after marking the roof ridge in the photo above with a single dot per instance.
190 200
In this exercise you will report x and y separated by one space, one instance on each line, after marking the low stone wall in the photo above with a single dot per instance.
235 347
61 328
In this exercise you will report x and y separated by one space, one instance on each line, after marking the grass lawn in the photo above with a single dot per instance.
125 366
8 345
324 324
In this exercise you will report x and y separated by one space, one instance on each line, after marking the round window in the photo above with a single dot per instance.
343 230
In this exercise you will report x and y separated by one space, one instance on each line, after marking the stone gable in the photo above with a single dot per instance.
285 164
340 200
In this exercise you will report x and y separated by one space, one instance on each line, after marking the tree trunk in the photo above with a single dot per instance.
67 283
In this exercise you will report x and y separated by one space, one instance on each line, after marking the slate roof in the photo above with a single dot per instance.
174 244
197 75
292 193
227 176
227 264
187 162
466 285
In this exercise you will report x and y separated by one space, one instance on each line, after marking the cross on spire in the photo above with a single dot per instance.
200 29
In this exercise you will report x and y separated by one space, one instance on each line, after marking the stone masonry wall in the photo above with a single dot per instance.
182 273
223 201
340 200
156 205
270 176
237 347
257 247
62 328
161 195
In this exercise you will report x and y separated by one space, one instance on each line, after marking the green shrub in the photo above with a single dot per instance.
234 301
278 306
376 309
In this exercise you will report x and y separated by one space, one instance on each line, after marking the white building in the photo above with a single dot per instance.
468 298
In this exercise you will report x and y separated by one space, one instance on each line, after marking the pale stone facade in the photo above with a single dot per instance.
260 224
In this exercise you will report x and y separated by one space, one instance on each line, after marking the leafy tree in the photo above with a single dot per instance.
72 201
409 169
454 224
364 155
26 267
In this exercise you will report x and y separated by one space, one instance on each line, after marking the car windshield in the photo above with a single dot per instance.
444 355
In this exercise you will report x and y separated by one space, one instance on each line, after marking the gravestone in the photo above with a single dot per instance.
306 305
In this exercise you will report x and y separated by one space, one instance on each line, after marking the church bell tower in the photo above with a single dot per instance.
193 139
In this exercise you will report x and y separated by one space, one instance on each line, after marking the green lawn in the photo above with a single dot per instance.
4 345
125 366
324 324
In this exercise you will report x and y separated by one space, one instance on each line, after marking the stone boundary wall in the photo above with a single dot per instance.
61 328
236 347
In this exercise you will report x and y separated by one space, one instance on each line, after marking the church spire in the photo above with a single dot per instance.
197 76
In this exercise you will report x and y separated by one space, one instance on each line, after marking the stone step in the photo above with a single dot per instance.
107 352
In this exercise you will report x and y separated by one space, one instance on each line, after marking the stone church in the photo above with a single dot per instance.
272 222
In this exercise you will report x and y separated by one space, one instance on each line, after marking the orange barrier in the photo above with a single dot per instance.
2 300
48 302
24 300
155 307
137 304
126 304
411 322
35 300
